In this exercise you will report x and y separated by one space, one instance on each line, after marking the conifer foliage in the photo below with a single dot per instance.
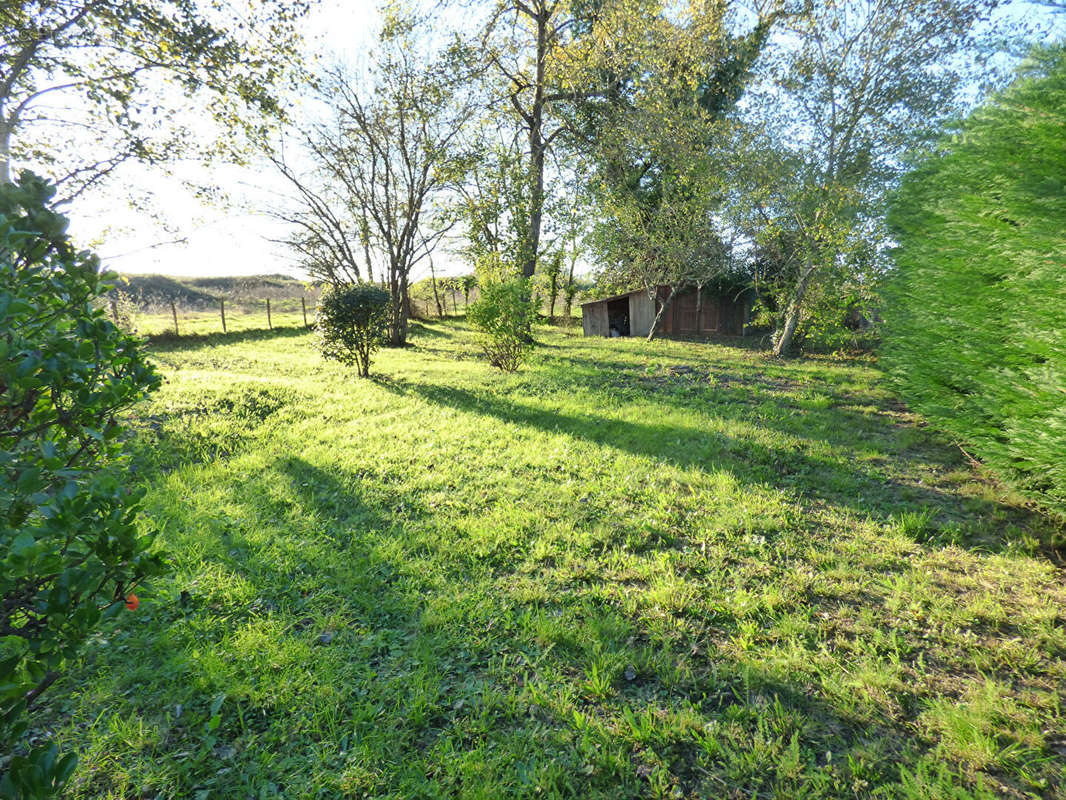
978 308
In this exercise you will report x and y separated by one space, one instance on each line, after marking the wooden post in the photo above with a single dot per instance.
269 325
114 311
223 306
174 311
303 306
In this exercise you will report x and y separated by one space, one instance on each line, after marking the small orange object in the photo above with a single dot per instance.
132 602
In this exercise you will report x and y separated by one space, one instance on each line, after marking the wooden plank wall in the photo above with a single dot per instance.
718 314
641 314
594 319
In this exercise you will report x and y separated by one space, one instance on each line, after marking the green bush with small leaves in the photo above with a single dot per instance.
504 315
351 323
71 550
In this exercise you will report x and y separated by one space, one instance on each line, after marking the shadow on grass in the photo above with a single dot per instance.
680 446
444 679
835 480
449 684
435 328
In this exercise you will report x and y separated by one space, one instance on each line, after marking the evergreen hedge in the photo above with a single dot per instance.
977 310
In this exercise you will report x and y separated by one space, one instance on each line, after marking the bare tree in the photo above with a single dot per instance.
386 162
322 231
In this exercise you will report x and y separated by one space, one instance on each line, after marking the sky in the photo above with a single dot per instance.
187 237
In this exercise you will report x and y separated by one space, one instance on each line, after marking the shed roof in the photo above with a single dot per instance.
612 297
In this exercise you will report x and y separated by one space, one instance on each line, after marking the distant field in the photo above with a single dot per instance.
603 577
155 293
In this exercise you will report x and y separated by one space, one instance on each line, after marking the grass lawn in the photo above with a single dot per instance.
239 319
598 578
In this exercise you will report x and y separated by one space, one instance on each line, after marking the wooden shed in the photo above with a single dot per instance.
633 313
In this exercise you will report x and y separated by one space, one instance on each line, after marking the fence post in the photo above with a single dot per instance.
114 311
222 303
174 311
303 306
269 325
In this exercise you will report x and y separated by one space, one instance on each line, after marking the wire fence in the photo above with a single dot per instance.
172 318
223 315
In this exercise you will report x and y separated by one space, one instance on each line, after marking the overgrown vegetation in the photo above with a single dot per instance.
976 340
71 550
630 570
504 316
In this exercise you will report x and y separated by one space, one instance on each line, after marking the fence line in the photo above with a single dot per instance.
166 318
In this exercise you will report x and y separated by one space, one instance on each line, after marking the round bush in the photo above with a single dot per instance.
351 323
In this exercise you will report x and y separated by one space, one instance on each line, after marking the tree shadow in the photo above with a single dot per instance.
792 469
434 328
295 626
861 421
447 679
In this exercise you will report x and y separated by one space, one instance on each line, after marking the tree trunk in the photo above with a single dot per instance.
536 150
436 294
397 308
784 341
570 289
699 308
662 311
554 292
5 153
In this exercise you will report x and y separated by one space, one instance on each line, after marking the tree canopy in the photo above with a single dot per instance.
86 85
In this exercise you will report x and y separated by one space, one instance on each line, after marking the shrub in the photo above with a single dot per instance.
504 315
351 323
70 550
975 323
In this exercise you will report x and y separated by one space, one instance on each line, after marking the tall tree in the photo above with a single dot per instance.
523 41
116 65
853 84
548 56
384 164
657 140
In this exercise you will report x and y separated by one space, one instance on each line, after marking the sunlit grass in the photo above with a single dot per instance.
599 577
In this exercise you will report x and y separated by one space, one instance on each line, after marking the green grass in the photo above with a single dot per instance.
239 319
598 578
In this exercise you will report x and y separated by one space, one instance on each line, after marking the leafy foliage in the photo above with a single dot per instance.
351 323
128 71
976 330
70 549
658 155
848 89
503 314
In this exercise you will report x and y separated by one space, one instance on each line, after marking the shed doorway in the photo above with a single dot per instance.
618 317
